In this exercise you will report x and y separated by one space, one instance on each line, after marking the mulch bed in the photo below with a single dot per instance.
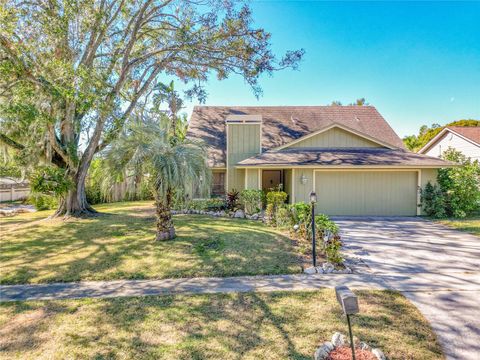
345 353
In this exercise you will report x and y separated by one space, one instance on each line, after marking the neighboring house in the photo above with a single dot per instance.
348 155
465 139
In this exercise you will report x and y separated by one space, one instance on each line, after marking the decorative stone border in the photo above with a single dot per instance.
239 214
340 340
328 268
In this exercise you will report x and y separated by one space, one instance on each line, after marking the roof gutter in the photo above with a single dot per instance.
349 167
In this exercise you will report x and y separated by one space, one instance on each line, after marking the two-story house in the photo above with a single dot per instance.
348 155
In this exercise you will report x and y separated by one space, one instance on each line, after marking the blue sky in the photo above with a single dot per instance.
417 62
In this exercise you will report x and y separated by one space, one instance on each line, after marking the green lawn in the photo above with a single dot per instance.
470 224
228 326
120 245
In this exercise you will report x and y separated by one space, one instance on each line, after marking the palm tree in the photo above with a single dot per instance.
171 167
167 94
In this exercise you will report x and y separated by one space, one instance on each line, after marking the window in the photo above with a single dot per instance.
218 183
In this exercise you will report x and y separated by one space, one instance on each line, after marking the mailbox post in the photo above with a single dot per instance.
349 303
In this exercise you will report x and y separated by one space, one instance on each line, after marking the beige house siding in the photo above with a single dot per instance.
302 191
334 138
252 180
384 193
243 141
428 175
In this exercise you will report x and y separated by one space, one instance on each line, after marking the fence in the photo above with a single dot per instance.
13 191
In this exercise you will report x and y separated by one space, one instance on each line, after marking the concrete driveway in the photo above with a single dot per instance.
436 267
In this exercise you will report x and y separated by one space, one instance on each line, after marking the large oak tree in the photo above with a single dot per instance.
72 72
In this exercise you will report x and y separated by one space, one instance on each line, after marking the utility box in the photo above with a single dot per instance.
347 300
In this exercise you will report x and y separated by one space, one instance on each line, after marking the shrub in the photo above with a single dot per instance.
252 200
432 200
145 191
302 216
284 218
270 215
460 185
94 193
332 250
276 198
206 204
325 226
302 213
42 201
232 200
48 184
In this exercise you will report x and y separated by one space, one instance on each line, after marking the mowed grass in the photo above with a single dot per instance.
217 326
470 224
120 244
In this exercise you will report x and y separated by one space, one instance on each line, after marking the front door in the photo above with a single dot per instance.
271 179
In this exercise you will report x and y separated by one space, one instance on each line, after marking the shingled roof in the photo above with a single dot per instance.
470 132
283 124
369 157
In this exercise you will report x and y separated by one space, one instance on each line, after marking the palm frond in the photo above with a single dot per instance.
145 148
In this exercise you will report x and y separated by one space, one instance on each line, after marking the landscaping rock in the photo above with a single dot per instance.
254 217
356 341
328 267
310 270
319 270
239 214
16 209
322 352
347 270
364 346
379 354
338 339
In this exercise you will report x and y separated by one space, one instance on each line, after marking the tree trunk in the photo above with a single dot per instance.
165 228
75 204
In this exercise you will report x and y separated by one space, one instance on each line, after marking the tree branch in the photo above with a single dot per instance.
10 142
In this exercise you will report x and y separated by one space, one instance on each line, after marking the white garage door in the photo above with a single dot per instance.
364 193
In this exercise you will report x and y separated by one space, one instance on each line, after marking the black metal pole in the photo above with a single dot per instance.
314 245
352 345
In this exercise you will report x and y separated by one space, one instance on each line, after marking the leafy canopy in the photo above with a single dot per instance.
460 185
72 72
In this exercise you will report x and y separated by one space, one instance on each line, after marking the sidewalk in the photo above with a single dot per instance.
118 288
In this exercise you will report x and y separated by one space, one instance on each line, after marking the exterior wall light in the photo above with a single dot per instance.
303 179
